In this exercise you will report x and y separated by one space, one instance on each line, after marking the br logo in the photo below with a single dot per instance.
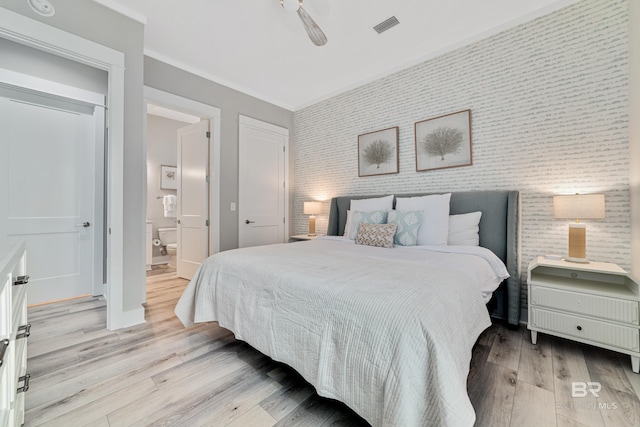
580 389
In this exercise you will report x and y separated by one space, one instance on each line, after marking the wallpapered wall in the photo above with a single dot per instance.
549 106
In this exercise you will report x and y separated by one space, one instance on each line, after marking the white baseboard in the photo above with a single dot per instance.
160 260
129 318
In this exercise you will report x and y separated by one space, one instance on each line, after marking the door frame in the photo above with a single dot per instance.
32 33
278 130
204 111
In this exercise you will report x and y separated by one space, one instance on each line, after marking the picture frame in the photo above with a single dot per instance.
378 152
168 177
444 141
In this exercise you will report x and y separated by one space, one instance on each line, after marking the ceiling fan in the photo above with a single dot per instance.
315 33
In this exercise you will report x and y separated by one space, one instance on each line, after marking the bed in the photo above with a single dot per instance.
389 332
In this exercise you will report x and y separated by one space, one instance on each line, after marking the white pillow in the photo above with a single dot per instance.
464 228
434 229
365 205
376 204
347 225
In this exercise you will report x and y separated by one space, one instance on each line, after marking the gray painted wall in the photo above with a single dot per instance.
170 79
549 104
101 25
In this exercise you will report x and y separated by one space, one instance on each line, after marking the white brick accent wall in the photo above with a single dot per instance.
549 107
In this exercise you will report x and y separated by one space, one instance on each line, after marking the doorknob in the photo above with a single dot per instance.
249 222
84 224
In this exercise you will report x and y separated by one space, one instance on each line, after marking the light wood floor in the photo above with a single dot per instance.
160 373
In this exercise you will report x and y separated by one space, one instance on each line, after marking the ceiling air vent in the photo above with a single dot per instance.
386 24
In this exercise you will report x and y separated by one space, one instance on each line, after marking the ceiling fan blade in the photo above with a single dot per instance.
315 33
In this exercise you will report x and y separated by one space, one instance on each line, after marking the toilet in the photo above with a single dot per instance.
168 238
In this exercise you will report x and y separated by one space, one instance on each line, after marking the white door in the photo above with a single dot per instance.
48 146
262 186
193 198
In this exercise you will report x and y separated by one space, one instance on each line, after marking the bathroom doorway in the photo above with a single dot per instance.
163 125
166 114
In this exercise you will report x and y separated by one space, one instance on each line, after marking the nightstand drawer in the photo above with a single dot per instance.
586 329
618 310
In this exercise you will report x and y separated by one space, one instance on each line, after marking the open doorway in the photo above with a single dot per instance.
31 33
169 120
162 151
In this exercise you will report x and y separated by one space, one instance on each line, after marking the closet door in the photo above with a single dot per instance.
262 184
47 180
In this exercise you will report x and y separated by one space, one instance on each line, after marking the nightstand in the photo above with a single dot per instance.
300 237
595 303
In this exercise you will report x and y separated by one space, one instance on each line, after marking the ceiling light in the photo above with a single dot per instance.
42 7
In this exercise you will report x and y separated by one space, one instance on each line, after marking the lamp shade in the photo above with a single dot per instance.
579 206
312 208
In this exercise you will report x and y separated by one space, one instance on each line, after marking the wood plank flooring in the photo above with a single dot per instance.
160 373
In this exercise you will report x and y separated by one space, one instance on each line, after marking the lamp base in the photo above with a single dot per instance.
577 243
312 225
578 260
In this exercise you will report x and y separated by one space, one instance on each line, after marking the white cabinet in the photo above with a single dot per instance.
595 303
14 330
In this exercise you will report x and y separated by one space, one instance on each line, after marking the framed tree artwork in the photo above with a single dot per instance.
444 141
378 152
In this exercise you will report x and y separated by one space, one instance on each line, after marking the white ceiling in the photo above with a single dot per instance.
259 48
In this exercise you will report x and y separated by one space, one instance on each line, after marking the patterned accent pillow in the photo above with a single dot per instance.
376 235
359 217
408 223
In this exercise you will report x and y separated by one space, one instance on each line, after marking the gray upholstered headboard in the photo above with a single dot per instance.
499 232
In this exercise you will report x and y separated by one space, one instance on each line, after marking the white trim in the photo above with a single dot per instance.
32 33
215 79
205 111
122 10
99 114
130 318
52 40
47 86
259 124
156 110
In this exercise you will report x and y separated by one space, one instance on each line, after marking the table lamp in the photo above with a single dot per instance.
578 206
312 209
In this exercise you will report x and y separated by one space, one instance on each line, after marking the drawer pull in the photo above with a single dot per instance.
25 387
3 348
21 280
579 328
27 331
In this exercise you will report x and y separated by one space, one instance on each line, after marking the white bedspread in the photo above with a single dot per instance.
389 332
